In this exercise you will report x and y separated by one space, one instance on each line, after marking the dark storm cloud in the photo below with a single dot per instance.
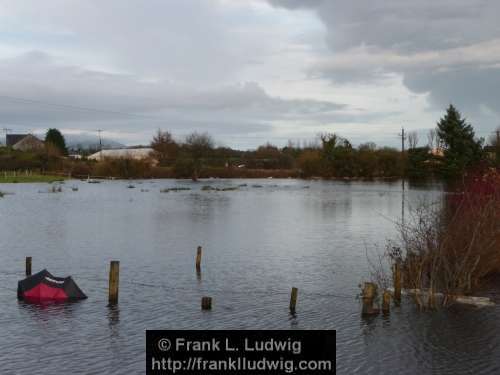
449 49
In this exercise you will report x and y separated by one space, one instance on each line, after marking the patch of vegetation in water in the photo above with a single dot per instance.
228 188
231 188
174 189
29 179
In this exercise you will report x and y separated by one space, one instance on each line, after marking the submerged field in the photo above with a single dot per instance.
260 238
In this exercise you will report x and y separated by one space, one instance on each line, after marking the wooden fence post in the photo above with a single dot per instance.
198 259
206 303
386 302
369 292
397 282
28 266
293 300
114 281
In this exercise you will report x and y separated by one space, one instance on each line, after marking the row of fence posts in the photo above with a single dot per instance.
370 292
369 289
206 302
114 281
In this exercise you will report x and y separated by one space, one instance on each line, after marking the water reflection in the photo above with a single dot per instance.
113 315
198 276
48 310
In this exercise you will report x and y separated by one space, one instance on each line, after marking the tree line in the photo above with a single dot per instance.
451 149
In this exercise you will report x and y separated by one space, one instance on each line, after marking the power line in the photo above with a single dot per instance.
79 108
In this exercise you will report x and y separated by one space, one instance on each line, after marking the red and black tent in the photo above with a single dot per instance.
43 286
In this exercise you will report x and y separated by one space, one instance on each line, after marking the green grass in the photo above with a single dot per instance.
21 178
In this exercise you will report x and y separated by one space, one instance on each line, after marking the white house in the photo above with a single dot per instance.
123 153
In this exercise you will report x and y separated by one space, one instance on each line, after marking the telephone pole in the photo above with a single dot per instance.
100 143
403 139
6 131
497 146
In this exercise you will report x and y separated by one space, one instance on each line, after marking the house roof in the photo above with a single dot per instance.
29 142
12 139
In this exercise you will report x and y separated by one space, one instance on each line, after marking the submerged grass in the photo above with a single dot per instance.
174 189
210 188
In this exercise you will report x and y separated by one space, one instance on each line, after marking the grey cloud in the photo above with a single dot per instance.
458 87
182 41
449 49
37 91
403 25
297 4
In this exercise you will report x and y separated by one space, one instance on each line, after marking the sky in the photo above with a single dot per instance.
248 71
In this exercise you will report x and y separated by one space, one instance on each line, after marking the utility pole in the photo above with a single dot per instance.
403 139
6 131
100 143
497 146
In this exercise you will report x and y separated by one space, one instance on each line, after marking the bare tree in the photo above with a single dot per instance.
412 140
495 138
432 141
164 146
495 143
199 146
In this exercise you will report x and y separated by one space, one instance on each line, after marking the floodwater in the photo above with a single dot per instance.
257 242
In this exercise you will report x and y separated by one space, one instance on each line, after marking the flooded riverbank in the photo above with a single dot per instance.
259 240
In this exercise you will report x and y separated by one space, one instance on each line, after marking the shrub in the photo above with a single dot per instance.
310 163
184 168
453 247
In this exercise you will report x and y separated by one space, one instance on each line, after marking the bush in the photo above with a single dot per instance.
184 168
310 163
453 247
122 168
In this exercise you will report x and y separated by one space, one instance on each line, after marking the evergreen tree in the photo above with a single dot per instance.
54 139
461 149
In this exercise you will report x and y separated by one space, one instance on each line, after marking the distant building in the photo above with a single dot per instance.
123 153
12 139
491 151
24 142
437 151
